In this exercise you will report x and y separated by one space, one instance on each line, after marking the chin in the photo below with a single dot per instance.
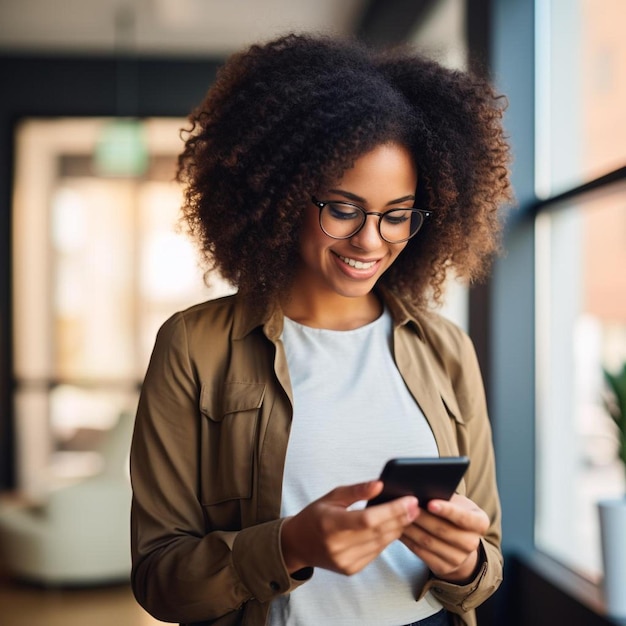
356 291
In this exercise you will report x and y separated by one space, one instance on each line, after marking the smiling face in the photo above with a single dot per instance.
381 180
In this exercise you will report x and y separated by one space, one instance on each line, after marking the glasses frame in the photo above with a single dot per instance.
320 204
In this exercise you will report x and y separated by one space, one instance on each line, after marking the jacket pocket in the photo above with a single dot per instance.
228 441
452 406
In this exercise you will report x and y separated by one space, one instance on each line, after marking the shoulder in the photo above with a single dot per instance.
441 332
203 339
450 347
448 343
216 325
201 331
453 362
212 316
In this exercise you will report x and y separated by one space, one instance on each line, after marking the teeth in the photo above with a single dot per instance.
359 265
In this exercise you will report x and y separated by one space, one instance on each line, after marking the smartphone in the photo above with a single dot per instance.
424 477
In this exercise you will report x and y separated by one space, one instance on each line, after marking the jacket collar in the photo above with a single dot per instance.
247 316
401 312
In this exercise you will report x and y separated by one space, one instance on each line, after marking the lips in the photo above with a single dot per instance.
358 265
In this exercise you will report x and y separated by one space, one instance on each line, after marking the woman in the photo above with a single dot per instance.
335 187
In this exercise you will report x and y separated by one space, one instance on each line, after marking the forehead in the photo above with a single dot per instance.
388 168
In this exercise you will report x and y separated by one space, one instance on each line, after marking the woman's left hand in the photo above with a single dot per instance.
446 537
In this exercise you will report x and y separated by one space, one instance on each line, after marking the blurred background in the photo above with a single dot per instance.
94 95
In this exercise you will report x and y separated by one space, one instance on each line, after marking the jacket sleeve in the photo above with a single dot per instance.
181 572
474 439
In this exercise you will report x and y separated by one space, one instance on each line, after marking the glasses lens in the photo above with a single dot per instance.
400 224
341 220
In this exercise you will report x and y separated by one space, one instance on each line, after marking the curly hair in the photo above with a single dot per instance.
284 118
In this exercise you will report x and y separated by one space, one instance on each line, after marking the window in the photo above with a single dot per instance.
98 265
581 286
581 329
581 93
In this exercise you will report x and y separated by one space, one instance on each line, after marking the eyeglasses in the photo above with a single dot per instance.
342 220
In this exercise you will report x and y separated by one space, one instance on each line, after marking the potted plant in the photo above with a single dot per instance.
615 403
613 512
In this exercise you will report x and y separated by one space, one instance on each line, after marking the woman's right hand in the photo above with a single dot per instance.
327 534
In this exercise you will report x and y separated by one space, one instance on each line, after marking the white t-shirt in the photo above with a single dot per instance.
352 412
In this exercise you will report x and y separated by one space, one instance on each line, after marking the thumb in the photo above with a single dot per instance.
347 495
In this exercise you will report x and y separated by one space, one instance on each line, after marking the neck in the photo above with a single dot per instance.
331 311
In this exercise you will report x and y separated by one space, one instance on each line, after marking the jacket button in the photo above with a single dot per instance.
274 586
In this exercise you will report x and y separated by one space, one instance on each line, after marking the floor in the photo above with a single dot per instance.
24 605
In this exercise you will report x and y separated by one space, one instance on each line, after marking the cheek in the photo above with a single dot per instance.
312 238
397 249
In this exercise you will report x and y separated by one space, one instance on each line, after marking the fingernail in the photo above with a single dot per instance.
411 506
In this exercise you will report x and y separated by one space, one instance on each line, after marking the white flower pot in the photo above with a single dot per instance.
613 538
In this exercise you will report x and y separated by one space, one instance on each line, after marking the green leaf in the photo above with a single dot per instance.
617 407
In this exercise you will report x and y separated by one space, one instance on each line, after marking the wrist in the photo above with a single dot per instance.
467 571
289 547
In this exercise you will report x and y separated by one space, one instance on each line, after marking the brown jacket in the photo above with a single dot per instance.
209 448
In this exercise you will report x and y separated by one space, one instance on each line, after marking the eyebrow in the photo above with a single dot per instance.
354 198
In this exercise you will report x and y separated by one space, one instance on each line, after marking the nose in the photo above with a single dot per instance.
368 238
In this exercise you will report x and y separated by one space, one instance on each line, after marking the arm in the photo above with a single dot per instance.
181 572
472 568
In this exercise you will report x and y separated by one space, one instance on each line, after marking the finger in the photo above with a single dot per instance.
347 495
378 525
441 538
352 561
455 566
357 560
438 555
404 510
433 528
449 548
367 532
437 564
461 512
355 555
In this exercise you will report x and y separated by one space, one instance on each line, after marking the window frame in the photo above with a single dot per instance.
537 589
